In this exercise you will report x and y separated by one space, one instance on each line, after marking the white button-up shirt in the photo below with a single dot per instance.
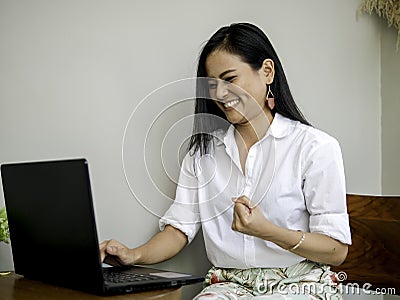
294 173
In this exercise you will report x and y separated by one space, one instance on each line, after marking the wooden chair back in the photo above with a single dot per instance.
374 256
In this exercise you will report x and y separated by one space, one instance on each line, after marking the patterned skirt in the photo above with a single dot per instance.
305 280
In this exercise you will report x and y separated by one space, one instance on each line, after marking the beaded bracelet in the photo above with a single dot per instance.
303 237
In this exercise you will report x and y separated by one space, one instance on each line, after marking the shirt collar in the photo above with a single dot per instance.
229 138
279 128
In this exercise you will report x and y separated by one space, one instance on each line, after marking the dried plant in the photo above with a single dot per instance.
387 9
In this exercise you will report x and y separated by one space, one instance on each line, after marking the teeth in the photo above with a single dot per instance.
231 103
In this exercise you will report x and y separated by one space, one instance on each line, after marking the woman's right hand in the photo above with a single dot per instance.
162 246
116 254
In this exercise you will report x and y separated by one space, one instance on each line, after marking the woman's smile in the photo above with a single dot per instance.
237 89
229 105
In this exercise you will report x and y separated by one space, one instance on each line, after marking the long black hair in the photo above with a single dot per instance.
252 45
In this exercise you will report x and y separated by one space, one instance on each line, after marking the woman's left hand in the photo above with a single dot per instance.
249 219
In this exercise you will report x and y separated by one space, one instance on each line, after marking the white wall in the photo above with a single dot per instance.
72 73
390 61
390 111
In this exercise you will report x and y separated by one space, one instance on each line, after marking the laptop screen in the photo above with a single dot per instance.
52 222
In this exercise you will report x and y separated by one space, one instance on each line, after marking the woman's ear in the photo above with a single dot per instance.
268 70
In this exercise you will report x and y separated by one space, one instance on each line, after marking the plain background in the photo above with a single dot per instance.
103 80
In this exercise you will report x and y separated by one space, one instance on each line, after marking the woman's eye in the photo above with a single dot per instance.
212 85
230 78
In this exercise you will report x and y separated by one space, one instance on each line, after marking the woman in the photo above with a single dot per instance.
266 187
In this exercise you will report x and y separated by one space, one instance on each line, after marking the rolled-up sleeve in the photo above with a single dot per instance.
183 214
324 190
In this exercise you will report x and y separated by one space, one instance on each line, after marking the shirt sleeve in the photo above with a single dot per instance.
324 190
183 214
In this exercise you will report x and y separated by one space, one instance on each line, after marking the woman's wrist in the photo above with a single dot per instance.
135 255
286 238
271 232
298 244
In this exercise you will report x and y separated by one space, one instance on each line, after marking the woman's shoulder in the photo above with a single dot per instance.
309 134
315 142
284 127
318 135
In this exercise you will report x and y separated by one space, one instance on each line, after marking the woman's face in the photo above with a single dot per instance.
237 89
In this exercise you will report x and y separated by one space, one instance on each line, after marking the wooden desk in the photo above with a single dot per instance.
15 287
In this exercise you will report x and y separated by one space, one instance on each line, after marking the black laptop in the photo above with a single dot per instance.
53 231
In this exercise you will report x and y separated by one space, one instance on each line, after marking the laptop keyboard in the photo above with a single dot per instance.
119 277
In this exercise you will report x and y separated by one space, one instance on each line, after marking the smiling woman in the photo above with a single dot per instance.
238 89
266 188
251 55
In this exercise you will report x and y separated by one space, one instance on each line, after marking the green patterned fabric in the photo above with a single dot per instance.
305 280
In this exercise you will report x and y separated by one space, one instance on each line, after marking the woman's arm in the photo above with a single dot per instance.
316 247
160 247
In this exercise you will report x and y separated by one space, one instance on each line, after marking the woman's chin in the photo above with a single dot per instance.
234 117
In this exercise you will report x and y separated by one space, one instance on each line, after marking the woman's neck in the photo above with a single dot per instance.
254 130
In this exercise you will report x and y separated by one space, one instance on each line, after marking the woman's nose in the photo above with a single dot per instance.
222 90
